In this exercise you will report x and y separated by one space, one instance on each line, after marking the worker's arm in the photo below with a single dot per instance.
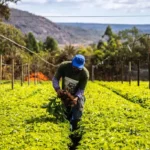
55 84
79 93
59 73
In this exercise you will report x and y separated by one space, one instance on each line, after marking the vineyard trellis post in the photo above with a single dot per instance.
122 72
93 67
35 74
130 65
149 67
28 72
130 72
138 72
13 65
1 68
22 74
148 59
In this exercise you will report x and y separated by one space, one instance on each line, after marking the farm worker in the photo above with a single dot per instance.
74 79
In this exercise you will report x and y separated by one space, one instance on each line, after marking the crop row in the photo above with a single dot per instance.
135 94
111 122
25 125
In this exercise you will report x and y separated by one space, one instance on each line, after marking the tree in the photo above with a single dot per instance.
108 31
109 49
9 50
4 9
50 44
136 41
40 45
129 35
106 38
100 44
31 43
12 33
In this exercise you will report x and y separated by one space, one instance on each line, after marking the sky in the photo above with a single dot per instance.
87 8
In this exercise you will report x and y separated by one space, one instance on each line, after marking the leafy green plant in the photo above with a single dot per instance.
109 121
139 95
56 108
112 122
24 124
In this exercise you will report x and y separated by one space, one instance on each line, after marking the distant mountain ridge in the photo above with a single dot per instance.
64 33
42 27
102 27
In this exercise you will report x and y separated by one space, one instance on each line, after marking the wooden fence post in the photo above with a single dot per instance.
22 74
13 73
93 67
0 68
34 74
37 72
28 65
130 72
122 72
138 73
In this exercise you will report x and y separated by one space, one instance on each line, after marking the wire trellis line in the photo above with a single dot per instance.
23 47
117 16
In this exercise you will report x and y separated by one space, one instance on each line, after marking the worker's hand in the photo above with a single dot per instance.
75 100
59 92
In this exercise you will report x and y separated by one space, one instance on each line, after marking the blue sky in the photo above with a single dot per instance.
89 8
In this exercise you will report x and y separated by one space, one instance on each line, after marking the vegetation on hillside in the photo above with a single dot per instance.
4 9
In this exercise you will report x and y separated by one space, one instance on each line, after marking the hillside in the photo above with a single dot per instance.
42 27
64 33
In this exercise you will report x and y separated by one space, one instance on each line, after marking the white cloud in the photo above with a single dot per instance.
86 6
22 2
34 1
12 5
109 4
126 5
59 0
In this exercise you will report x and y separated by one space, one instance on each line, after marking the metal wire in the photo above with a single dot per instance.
23 47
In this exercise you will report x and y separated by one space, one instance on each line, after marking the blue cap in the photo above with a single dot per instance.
78 61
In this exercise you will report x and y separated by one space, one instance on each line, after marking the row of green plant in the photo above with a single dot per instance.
139 95
25 125
111 122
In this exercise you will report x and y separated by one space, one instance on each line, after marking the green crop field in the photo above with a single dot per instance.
116 117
